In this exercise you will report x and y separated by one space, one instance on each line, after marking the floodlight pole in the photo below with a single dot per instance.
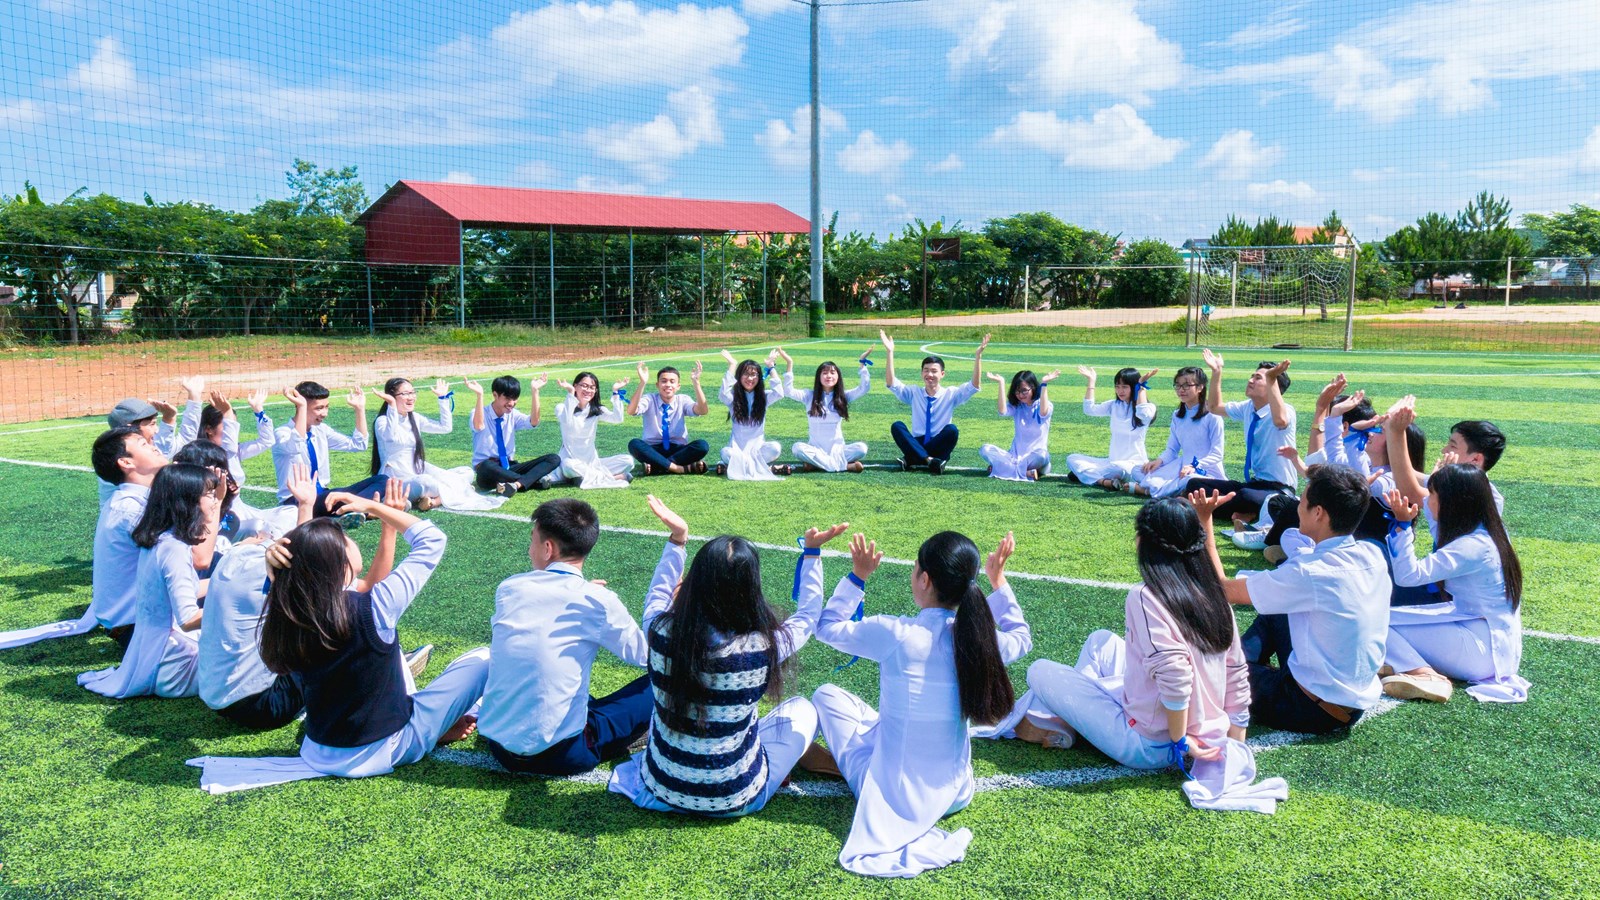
818 318
552 277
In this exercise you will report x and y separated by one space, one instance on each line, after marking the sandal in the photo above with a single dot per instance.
697 468
783 469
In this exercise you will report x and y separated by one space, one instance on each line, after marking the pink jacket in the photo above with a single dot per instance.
1164 672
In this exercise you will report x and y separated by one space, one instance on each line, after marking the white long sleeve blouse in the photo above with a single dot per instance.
826 430
397 444
578 428
1127 442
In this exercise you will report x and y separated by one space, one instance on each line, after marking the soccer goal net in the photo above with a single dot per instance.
1292 296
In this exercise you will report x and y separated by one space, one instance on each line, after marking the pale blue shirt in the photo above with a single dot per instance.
1263 439
289 447
679 409
931 418
483 445
116 556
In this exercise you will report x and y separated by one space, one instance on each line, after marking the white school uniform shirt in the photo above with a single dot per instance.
160 659
390 599
578 428
1336 598
922 756
1350 452
1470 568
230 665
116 556
826 430
397 443
238 452
548 627
289 447
748 433
929 415
1263 439
678 412
483 443
1032 431
1196 440
1127 442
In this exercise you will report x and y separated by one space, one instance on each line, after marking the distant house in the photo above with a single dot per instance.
8 294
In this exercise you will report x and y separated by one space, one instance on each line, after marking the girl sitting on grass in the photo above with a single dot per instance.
579 414
749 456
827 408
1029 410
1130 413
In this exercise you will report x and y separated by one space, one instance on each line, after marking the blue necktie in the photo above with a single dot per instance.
666 428
927 422
311 450
500 442
1249 445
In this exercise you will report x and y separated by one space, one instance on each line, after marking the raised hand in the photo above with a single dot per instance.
344 501
300 485
1087 372
1052 376
864 556
995 377
167 410
566 385
194 386
1289 452
278 555
677 528
789 360
863 357
983 345
257 399
293 396
617 385
1279 369
1403 412
1402 509
888 342
995 565
1149 375
816 537
537 382
376 392
441 387
1347 404
1206 503
1331 390
1213 360
220 403
474 387
1447 458
728 355
644 373
356 399
394 494
694 374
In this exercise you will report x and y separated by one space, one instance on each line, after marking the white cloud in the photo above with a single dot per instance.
1445 53
1280 189
1589 156
869 155
690 121
606 185
20 113
1114 138
1060 48
1368 176
1237 156
761 8
790 144
108 71
951 163
598 45
459 177
535 171
1281 24
896 202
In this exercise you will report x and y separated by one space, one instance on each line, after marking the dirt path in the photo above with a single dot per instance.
1113 318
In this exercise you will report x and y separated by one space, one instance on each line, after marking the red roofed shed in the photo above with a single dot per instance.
420 222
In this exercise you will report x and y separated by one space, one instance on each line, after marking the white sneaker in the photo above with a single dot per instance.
1250 540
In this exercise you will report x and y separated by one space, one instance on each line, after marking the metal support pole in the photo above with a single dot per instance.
552 277
372 327
630 280
461 274
764 280
818 318
1189 327
1233 293
702 281
1027 285
1508 282
924 281
1350 305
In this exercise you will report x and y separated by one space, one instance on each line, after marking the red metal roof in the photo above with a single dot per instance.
482 206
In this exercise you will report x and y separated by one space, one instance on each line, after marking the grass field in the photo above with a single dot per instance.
1421 801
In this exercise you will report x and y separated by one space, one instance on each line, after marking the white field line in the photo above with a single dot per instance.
1049 778
781 548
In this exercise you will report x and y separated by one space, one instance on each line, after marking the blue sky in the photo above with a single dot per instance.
1142 118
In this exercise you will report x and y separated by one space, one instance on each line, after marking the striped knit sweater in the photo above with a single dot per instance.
713 763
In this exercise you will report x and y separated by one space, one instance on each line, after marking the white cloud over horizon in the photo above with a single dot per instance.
870 155
1238 156
1113 138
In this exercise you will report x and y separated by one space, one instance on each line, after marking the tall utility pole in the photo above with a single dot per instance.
818 318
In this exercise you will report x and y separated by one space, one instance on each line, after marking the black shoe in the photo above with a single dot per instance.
541 485
904 465
935 466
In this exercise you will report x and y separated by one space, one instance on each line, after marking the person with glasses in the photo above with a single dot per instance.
1268 422
1194 443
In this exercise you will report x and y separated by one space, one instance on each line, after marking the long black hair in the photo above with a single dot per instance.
210 422
1199 375
840 404
752 410
418 456
1024 377
720 600
1175 568
1466 502
211 456
594 402
306 619
174 505
1130 377
951 561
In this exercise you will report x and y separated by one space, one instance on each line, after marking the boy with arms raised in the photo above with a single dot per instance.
932 437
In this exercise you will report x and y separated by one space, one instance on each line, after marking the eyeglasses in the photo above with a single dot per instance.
412 394
1185 385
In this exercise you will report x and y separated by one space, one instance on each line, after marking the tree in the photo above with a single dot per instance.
330 192
1039 240
1574 234
1148 286
1488 240
1330 230
1432 248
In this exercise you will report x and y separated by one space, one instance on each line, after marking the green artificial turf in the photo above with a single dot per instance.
1422 801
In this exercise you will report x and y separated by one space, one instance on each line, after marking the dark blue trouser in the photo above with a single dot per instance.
524 475
366 487
615 721
918 450
274 707
1276 699
682 454
1247 495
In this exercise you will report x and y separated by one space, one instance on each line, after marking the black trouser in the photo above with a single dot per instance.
681 454
274 707
1276 699
1247 495
369 487
918 450
523 474
615 721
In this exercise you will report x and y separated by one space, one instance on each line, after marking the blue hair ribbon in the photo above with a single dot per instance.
1176 752
864 361
622 393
